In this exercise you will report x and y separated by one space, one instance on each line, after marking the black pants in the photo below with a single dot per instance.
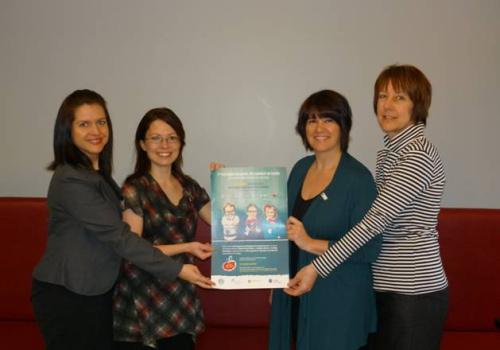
410 322
178 342
71 321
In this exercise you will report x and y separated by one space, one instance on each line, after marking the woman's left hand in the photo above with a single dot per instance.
297 233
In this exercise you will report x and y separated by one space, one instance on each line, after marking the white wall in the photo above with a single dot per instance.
236 72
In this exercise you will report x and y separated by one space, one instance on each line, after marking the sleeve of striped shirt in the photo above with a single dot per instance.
361 198
411 176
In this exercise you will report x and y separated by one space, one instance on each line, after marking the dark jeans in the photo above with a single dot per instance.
178 342
71 321
410 322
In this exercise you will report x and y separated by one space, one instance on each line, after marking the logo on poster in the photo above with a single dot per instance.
229 264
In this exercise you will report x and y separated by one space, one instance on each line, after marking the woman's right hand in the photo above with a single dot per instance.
296 232
303 282
215 166
191 274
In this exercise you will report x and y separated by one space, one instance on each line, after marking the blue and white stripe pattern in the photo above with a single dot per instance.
410 181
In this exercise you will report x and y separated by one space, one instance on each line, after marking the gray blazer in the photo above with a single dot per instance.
87 237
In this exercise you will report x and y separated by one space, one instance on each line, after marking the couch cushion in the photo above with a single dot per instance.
470 340
470 244
231 308
23 335
236 308
233 338
24 226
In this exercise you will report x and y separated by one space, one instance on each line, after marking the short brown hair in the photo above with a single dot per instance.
410 80
326 104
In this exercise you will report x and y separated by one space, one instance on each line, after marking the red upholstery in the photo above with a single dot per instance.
470 341
24 226
470 240
470 247
233 338
20 335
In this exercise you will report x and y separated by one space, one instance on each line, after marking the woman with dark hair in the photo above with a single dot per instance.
328 193
162 205
73 282
409 280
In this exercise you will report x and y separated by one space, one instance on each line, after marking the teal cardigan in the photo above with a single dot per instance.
340 310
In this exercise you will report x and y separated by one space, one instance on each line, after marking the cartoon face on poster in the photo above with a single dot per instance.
249 209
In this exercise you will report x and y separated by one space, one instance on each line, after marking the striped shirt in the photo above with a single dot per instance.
410 182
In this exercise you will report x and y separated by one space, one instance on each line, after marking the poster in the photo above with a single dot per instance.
249 210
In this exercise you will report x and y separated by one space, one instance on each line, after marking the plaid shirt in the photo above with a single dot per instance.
147 309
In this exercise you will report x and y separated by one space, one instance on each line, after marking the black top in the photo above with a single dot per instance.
299 211
301 206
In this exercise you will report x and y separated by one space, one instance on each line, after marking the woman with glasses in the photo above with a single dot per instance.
73 282
161 205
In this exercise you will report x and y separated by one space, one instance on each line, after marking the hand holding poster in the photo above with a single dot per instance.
249 210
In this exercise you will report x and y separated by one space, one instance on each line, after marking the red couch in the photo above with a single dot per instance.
470 240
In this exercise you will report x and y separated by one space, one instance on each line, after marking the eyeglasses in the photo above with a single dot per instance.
172 139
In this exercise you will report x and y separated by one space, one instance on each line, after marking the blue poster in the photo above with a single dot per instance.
249 210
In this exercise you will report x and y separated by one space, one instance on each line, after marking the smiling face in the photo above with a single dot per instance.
270 213
394 111
323 135
165 152
90 132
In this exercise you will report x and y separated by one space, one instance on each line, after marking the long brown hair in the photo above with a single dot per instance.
65 151
143 163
